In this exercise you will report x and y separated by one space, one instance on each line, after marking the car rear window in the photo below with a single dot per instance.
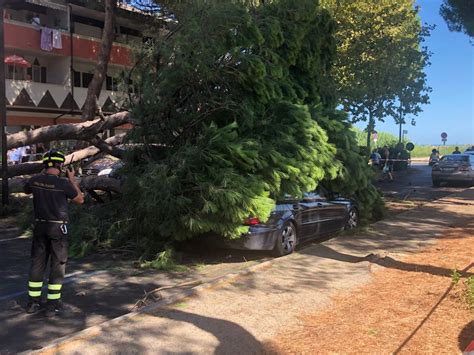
456 157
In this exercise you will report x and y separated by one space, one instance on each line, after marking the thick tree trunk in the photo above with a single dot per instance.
93 91
36 167
77 131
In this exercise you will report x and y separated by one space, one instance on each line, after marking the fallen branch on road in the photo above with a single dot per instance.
155 294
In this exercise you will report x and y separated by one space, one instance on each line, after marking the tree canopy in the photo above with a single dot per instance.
227 105
459 15
379 62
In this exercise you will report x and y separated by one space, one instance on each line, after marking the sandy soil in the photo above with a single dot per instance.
411 311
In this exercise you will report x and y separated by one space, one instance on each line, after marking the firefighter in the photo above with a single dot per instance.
50 201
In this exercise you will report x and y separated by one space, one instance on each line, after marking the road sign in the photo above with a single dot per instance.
444 135
410 146
405 131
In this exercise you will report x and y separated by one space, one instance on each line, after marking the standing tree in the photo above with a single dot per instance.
373 37
412 89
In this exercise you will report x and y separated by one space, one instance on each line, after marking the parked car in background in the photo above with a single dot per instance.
454 168
316 215
469 150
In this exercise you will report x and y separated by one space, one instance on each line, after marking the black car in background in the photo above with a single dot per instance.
318 214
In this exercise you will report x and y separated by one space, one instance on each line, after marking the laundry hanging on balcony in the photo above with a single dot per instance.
46 39
57 42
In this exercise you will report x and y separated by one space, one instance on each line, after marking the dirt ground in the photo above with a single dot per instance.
411 311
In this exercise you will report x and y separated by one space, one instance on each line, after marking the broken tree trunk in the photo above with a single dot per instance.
36 167
77 131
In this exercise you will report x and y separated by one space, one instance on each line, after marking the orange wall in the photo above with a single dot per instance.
21 37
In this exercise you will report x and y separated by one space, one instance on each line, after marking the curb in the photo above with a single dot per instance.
95 330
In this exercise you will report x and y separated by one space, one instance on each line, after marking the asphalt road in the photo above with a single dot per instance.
415 185
96 290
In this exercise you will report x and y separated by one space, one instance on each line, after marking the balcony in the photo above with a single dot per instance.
23 95
26 37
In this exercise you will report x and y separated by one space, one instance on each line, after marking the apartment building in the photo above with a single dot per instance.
50 54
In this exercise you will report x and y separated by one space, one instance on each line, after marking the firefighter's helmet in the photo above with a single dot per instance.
53 157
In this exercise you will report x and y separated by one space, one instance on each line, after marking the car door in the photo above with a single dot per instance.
332 217
307 216
309 212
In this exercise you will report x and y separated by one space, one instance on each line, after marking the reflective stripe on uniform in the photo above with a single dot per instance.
54 296
34 293
54 287
35 284
50 221
53 158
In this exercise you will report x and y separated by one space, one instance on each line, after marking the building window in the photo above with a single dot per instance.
108 83
82 79
86 79
15 73
77 79
36 73
111 83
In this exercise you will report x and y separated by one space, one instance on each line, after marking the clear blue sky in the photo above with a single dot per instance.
451 75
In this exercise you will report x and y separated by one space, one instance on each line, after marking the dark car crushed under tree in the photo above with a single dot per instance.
293 221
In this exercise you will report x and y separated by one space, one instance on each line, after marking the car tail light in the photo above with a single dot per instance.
464 168
251 221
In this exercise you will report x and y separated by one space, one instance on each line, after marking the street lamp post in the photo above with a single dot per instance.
3 111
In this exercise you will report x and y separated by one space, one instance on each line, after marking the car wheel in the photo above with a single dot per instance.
353 220
436 183
286 242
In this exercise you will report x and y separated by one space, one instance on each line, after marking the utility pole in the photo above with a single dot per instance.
3 110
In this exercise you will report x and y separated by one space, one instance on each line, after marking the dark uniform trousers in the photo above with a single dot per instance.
49 241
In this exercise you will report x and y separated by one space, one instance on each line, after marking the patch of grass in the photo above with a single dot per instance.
464 288
180 305
455 276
